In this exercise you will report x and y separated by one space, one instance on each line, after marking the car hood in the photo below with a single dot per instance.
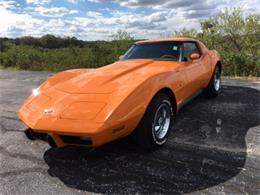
108 78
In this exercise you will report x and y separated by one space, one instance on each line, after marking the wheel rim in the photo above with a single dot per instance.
217 80
162 121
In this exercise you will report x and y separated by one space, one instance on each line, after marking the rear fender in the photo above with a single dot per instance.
215 59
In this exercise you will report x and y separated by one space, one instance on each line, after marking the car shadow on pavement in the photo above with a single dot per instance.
206 147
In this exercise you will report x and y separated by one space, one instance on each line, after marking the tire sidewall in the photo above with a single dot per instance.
210 91
217 71
156 141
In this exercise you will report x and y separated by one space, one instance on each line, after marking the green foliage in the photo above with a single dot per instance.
48 53
122 35
186 33
235 36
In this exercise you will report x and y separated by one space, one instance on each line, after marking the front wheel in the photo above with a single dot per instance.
153 130
214 85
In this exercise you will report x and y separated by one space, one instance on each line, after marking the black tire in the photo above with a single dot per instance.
145 134
213 88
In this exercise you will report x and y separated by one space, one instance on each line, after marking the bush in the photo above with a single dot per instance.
235 37
37 58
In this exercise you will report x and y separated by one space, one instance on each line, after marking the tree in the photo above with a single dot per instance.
28 40
122 41
122 35
236 37
192 33
49 41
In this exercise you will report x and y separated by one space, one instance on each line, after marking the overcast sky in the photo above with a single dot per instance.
99 19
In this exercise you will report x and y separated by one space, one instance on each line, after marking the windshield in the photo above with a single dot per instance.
156 51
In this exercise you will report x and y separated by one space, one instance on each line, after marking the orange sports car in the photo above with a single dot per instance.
138 95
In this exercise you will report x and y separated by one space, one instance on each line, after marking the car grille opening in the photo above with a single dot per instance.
76 140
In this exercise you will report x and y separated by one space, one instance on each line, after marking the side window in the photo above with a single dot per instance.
189 48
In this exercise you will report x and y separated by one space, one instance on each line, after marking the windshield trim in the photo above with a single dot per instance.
155 59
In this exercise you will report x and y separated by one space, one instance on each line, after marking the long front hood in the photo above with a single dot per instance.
86 100
107 79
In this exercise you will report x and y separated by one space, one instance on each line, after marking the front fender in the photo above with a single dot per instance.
132 108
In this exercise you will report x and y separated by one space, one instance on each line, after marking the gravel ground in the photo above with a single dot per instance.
214 148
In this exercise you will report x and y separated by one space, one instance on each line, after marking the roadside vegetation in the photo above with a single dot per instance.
235 36
56 54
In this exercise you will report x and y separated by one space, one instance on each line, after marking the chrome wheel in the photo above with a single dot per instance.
153 130
217 80
162 121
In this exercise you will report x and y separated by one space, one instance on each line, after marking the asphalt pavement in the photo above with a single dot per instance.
214 148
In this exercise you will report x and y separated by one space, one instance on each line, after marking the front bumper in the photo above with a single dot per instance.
61 139
68 132
58 140
59 114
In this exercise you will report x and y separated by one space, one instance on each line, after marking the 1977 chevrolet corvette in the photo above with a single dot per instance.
137 95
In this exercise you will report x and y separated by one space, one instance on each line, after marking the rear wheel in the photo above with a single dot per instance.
214 85
153 130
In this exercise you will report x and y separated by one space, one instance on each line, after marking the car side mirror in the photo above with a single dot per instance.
121 57
194 56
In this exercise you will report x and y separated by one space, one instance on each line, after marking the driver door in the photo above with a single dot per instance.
193 69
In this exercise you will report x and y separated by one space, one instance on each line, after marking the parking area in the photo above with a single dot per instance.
214 148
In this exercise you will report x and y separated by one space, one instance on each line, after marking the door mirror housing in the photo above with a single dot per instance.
194 56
